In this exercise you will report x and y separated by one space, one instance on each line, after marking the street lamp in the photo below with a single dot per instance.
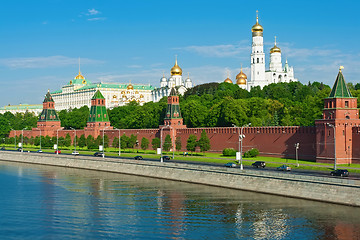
74 139
166 126
241 137
333 126
297 145
22 139
57 140
103 155
119 141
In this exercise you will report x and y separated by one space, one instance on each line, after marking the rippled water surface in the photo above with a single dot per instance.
40 202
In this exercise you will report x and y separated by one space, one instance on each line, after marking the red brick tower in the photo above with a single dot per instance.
340 115
98 118
48 121
173 115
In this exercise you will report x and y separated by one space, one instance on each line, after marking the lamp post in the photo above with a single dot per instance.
166 126
57 141
103 138
241 137
22 139
119 141
333 126
74 138
296 153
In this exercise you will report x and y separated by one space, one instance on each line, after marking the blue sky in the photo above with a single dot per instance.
137 40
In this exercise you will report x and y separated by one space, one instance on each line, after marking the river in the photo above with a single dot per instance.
41 202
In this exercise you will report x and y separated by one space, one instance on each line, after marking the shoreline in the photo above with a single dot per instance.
332 190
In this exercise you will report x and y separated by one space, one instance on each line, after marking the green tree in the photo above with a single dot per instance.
155 142
61 141
82 141
90 142
115 142
124 141
191 143
67 141
144 143
132 141
167 143
204 142
178 143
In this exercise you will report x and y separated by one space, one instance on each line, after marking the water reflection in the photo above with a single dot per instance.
70 203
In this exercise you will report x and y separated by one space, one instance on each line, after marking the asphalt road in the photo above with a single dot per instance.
354 176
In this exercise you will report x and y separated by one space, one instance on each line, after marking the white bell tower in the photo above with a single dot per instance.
257 56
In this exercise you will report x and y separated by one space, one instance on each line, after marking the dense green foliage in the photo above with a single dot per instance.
229 152
18 121
144 143
167 143
204 142
75 118
251 153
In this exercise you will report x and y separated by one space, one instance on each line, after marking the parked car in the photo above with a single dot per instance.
230 164
166 158
75 153
3 148
258 164
19 149
98 154
57 151
138 158
340 172
39 151
284 168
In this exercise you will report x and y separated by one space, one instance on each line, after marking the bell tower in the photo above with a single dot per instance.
334 133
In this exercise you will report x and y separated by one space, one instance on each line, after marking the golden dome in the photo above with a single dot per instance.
176 70
275 48
79 76
228 80
130 87
241 75
241 81
257 27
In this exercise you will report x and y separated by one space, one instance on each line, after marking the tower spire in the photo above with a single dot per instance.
275 40
79 66
257 16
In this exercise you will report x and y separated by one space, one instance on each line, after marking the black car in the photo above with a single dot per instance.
19 149
2 148
98 154
166 158
340 172
258 164
138 158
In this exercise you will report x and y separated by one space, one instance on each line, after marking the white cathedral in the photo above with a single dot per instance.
174 81
259 76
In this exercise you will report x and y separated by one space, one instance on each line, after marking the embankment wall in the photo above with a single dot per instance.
334 190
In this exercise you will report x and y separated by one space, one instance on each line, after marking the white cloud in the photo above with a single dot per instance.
97 19
43 62
92 12
224 50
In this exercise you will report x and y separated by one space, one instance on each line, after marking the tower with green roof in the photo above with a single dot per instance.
48 121
334 132
98 118
173 115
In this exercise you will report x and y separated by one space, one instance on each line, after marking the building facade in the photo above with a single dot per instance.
79 91
22 108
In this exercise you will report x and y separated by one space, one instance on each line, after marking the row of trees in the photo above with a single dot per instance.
125 142
208 105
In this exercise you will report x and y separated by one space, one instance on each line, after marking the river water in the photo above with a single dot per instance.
39 202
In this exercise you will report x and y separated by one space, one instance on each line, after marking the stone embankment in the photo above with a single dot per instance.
326 189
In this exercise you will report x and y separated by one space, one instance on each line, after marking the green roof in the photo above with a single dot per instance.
22 107
340 90
48 97
98 95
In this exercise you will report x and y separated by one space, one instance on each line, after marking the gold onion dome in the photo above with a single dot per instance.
176 70
130 87
241 78
228 80
275 48
257 27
